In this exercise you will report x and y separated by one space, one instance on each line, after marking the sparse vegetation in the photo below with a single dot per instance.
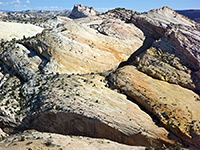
22 138
48 143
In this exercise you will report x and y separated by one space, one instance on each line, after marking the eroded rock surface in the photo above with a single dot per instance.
56 81
174 53
177 108
49 141
80 11
170 53
81 49
82 105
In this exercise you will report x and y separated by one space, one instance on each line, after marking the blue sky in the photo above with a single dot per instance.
100 5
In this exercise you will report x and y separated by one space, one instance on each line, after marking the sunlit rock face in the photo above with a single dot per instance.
129 77
80 11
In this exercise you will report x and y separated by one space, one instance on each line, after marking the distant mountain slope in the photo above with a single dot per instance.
31 16
192 14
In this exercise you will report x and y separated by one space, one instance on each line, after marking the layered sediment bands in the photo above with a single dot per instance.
56 81
82 105
174 56
177 108
77 48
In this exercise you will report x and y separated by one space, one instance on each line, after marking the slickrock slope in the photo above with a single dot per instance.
78 105
10 30
66 104
173 53
177 108
48 141
62 79
23 61
83 105
77 48
170 53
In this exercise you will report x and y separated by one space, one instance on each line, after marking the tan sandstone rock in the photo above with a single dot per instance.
174 55
81 49
80 11
177 108
79 100
48 141
82 105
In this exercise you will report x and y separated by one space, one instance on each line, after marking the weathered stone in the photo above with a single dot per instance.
177 108
82 105
80 11
50 141
174 55
23 61
160 43
121 13
80 49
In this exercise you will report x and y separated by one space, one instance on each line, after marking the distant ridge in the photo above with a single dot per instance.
192 14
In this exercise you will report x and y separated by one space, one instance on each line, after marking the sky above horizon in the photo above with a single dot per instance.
99 5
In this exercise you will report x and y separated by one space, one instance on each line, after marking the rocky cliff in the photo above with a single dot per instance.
123 76
80 11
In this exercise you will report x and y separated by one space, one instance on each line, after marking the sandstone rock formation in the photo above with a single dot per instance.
170 53
177 108
48 141
121 13
66 105
81 49
173 55
87 76
80 11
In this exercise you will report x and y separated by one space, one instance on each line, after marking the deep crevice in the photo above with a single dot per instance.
33 53
148 42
